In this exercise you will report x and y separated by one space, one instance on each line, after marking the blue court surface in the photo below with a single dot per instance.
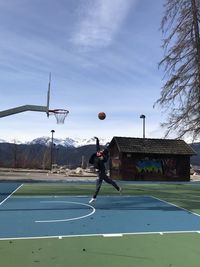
35 217
7 189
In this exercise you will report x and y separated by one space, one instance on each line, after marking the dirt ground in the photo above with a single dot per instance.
40 175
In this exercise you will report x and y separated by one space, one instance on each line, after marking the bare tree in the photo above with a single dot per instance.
46 164
180 94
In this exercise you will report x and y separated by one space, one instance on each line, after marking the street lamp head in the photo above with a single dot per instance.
52 147
143 117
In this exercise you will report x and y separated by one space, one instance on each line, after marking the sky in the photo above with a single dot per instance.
103 55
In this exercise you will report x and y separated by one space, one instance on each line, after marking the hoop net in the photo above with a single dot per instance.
60 115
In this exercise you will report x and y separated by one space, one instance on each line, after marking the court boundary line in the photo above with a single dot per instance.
99 235
11 194
179 207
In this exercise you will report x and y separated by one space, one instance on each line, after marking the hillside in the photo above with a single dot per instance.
195 160
39 156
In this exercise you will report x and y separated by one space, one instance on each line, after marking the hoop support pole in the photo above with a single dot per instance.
24 108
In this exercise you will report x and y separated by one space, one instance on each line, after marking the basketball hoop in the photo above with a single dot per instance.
60 115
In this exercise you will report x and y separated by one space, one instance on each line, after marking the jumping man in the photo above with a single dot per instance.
98 160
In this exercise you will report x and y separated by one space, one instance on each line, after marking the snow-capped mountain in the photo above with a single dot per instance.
67 142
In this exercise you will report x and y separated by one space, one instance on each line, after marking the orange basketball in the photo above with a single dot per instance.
102 115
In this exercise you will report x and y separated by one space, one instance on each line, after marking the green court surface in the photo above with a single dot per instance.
140 250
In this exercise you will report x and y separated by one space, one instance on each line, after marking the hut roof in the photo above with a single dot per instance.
152 146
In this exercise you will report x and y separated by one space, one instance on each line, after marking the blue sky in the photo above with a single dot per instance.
103 56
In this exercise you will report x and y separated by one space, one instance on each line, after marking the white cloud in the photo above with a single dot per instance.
100 22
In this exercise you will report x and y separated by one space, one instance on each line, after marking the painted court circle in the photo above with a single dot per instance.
68 219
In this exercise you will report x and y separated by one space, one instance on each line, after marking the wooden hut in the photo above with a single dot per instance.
145 159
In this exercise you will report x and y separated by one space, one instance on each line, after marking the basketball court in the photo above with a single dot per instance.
72 216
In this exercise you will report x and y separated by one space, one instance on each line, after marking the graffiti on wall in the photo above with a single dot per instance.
149 166
169 167
166 167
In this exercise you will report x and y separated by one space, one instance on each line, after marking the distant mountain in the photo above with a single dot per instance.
67 142
37 153
38 156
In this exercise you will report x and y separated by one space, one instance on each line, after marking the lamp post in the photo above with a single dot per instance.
51 162
143 118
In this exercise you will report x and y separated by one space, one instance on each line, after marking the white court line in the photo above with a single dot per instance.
112 235
169 203
70 219
11 194
51 196
100 235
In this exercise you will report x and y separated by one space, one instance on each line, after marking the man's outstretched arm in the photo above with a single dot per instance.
97 144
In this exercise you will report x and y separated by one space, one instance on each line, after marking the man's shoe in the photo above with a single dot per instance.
92 200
